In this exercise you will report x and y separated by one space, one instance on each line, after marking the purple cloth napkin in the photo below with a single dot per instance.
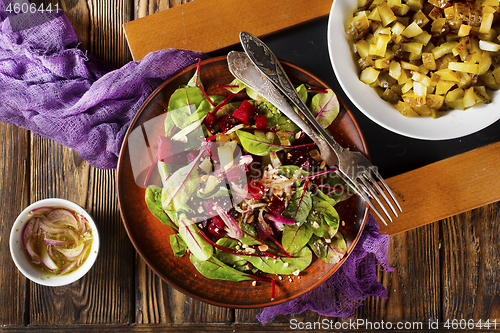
49 86
343 292
52 88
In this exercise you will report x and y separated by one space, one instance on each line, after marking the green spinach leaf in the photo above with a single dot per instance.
286 266
325 107
178 245
295 237
256 145
331 252
180 186
299 206
213 268
153 201
198 246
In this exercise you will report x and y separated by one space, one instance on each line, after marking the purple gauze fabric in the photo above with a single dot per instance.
50 87
343 292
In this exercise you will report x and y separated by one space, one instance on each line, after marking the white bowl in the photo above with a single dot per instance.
453 124
19 255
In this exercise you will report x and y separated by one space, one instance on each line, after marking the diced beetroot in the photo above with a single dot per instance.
237 173
215 232
256 189
192 155
210 121
244 112
225 123
217 220
264 230
261 122
277 206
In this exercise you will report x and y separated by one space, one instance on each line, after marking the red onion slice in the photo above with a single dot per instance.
47 261
73 252
40 211
68 268
55 242
264 230
63 217
27 235
233 229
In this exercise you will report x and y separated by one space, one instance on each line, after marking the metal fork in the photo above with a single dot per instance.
353 167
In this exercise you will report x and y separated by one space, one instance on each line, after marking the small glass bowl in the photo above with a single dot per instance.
20 257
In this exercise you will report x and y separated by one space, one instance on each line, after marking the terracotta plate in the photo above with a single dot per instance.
151 238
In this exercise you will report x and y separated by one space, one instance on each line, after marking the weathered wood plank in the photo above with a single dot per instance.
470 252
14 197
186 26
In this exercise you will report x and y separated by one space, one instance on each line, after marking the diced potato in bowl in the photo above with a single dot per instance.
426 57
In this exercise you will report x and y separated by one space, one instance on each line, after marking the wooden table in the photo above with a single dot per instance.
447 270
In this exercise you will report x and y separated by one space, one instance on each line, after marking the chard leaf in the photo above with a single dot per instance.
299 206
255 96
179 187
239 86
181 116
286 266
178 245
285 124
226 257
184 97
213 268
318 226
325 107
256 145
331 252
335 188
198 246
295 237
221 192
153 201
302 91
326 210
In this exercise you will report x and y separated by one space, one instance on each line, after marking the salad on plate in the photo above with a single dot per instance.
244 189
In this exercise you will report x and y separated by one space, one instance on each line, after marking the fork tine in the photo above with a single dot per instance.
361 193
380 190
368 188
375 171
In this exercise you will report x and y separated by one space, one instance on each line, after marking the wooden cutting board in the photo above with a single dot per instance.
428 194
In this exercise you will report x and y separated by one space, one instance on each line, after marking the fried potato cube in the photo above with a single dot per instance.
443 49
437 27
448 75
454 99
443 87
362 48
412 30
469 98
420 18
395 69
369 75
434 101
423 38
413 99
482 95
484 63
489 46
464 67
428 61
486 22
403 10
409 66
386 14
464 30
435 13
380 46
406 110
